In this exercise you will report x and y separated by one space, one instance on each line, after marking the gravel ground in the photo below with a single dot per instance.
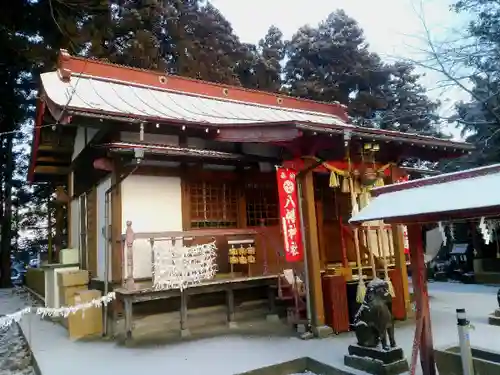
15 353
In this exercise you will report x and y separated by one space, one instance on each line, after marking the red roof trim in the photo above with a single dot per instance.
440 179
40 110
394 136
69 65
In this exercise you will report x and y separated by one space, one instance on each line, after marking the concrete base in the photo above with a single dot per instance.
274 318
232 325
493 320
303 365
375 367
376 361
185 332
322 332
449 361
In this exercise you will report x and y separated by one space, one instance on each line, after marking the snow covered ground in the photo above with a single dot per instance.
228 355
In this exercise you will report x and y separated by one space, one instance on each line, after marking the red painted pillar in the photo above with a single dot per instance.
423 333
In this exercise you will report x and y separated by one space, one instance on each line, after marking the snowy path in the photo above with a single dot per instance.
56 355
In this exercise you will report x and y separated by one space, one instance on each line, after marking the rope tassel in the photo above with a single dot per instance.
334 180
361 290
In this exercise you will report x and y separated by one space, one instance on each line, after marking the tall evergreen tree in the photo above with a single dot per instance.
271 55
215 47
332 63
137 34
479 118
260 66
407 106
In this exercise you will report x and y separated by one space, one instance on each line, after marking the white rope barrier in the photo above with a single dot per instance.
63 312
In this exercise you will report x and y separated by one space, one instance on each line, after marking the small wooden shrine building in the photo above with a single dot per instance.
177 155
469 195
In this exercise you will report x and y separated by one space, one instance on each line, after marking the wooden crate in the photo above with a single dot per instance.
85 323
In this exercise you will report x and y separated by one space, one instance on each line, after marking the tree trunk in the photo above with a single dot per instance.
6 232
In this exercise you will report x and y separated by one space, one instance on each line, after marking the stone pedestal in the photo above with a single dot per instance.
494 319
377 361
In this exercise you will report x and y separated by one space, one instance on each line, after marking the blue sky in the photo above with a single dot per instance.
393 28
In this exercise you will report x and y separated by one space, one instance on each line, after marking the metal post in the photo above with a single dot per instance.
303 229
464 340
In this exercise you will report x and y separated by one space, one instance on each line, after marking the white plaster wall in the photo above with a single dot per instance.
83 136
153 204
159 139
75 224
102 187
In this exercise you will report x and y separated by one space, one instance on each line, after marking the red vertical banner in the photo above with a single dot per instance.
289 214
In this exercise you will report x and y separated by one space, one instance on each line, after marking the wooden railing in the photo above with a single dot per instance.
368 242
139 250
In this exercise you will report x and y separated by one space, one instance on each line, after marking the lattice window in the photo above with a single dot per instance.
335 203
213 205
262 203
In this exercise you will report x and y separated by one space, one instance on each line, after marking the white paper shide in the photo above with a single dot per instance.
176 266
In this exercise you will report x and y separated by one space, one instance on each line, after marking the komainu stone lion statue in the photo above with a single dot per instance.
374 321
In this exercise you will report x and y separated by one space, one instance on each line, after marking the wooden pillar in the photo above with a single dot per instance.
185 198
92 231
58 240
312 252
49 231
129 256
70 198
321 235
423 333
399 248
116 225
400 258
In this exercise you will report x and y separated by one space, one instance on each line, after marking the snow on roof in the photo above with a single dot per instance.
474 189
86 93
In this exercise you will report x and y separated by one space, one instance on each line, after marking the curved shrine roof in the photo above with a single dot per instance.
452 196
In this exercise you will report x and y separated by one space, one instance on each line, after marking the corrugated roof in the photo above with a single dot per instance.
85 93
453 192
